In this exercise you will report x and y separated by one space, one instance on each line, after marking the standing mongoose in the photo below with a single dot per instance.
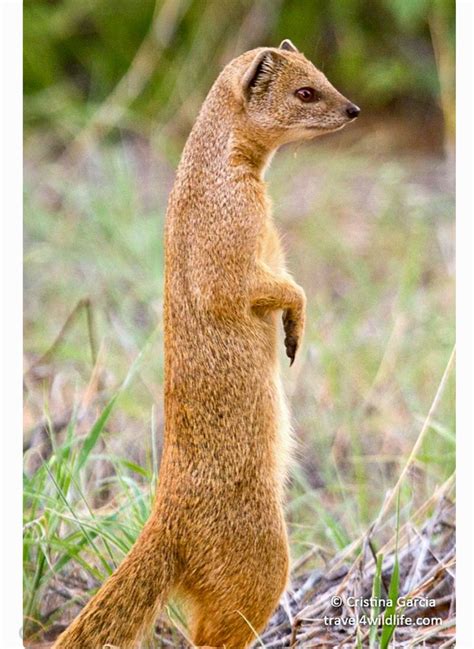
216 537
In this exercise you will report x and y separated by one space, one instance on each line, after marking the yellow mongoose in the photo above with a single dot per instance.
216 536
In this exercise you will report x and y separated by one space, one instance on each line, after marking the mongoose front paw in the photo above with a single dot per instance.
291 336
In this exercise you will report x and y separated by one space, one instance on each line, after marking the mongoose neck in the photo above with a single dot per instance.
248 151
222 140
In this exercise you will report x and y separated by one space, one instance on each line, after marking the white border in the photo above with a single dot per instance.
465 321
11 323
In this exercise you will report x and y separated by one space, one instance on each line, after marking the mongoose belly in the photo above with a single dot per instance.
225 412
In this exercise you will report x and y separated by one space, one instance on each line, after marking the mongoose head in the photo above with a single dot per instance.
286 98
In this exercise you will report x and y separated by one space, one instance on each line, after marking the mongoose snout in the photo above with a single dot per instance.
352 111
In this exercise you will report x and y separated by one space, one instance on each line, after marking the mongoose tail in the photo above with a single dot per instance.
129 601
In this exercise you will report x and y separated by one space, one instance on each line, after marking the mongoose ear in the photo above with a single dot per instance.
260 72
287 45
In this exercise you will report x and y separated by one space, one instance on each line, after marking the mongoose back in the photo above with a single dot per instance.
216 537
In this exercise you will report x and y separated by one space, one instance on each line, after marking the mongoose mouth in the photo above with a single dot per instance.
327 129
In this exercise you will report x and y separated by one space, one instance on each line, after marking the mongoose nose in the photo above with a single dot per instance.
352 111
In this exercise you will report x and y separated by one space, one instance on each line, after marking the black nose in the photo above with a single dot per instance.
352 111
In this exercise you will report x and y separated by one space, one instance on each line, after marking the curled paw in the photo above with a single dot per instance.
291 336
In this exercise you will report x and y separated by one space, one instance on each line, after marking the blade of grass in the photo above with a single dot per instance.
416 447
94 434
390 612
84 531
390 623
376 595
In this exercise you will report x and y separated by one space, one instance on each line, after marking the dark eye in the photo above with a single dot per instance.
307 95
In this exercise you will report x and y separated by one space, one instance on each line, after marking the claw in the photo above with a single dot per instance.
290 346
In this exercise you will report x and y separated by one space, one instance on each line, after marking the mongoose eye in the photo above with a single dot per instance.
307 95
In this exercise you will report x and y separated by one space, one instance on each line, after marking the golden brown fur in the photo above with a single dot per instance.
217 536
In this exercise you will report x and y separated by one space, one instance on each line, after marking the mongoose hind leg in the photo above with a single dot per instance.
231 618
227 630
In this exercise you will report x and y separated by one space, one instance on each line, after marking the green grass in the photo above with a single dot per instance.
369 238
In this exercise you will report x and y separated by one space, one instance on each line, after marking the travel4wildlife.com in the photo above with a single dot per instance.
406 612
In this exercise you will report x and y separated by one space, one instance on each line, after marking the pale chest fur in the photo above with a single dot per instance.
269 248
270 252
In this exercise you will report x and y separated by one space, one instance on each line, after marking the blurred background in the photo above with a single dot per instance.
111 90
153 62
